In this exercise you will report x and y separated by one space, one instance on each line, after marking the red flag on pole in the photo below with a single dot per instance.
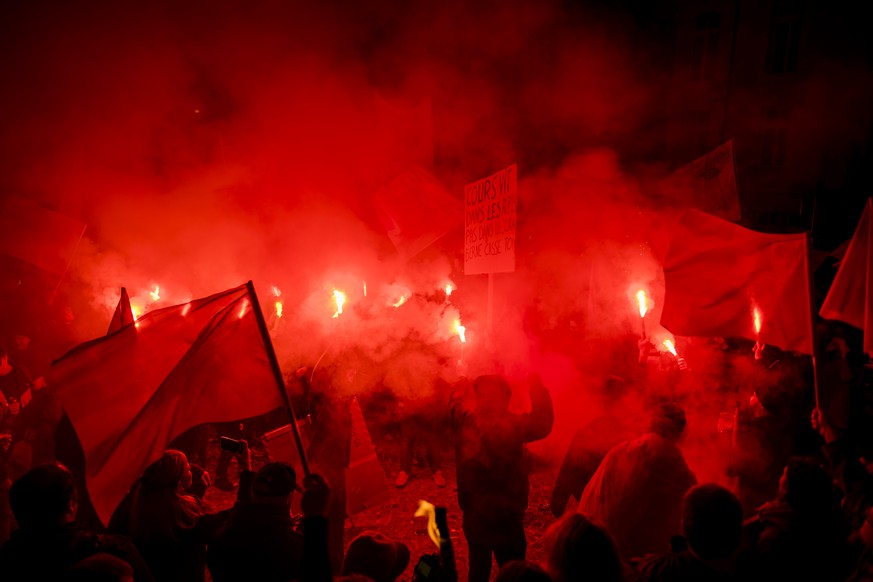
123 315
716 273
850 298
130 393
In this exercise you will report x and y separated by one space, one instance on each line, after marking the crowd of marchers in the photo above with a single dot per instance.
641 513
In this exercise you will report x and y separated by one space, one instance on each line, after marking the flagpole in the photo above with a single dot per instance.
277 373
811 296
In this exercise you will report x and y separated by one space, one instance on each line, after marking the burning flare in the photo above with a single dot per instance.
643 301
156 294
427 510
400 301
756 313
279 309
668 343
461 331
340 299
449 289
365 288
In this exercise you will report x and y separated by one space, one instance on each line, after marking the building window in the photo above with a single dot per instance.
704 46
784 37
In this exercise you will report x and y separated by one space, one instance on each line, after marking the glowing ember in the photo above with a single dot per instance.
365 288
427 510
340 299
276 291
400 301
242 310
756 313
279 309
668 343
641 299
156 294
461 331
449 289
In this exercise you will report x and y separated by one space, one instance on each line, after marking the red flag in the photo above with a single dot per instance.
716 273
37 235
123 315
130 393
709 183
850 298
416 210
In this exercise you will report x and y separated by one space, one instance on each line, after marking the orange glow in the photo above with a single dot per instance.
400 301
279 309
340 298
365 288
135 311
461 331
643 302
449 289
756 313
276 291
242 310
186 310
428 510
156 294
668 343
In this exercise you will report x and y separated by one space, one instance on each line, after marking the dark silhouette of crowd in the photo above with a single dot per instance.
627 508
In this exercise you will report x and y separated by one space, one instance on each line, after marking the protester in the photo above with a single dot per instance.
712 522
579 549
522 571
44 501
637 490
168 526
100 568
800 535
259 540
493 467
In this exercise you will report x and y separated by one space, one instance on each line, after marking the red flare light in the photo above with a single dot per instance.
643 302
668 343
756 314
156 294
449 289
340 298
461 331
279 309
276 291
400 301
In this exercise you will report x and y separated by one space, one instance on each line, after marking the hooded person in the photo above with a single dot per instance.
637 490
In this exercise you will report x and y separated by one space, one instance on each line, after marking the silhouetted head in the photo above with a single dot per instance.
579 549
274 482
492 392
100 568
668 420
171 470
377 556
712 521
806 487
522 571
44 497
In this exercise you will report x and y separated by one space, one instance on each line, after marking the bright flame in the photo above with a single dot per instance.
365 288
449 289
135 312
400 301
279 309
461 331
242 310
340 299
186 310
427 510
668 343
156 294
276 291
641 299
756 313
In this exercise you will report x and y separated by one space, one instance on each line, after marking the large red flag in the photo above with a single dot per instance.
850 298
716 273
130 393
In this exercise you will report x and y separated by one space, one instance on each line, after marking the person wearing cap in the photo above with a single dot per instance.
377 557
259 540
493 467
637 490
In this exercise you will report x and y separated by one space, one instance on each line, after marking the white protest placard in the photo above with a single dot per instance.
490 211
